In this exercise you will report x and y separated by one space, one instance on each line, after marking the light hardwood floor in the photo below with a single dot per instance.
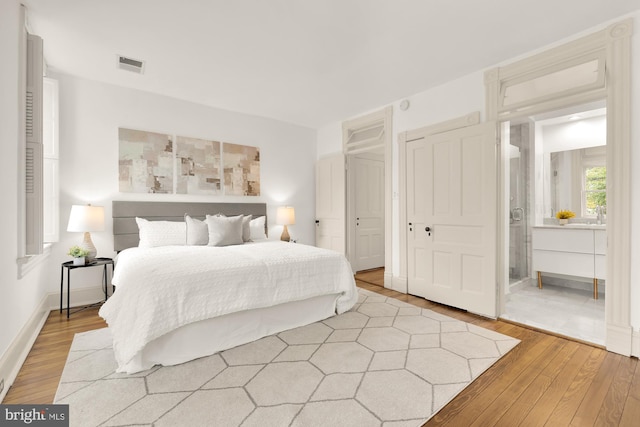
544 381
374 276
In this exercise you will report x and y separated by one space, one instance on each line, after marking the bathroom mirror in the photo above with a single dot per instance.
578 180
574 163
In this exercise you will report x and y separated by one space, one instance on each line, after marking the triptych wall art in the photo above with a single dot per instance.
159 163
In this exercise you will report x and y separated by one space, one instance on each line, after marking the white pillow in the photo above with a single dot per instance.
225 230
256 227
160 233
246 228
197 231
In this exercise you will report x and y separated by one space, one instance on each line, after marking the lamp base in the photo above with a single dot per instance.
88 245
285 235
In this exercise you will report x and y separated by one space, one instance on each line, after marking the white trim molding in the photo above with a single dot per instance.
379 124
29 262
399 284
635 343
614 45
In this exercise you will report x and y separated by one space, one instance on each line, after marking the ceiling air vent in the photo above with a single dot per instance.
130 64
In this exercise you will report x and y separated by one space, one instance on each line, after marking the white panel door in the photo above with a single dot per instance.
451 207
369 212
418 203
330 203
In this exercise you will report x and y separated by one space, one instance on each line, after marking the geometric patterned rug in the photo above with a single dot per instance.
383 363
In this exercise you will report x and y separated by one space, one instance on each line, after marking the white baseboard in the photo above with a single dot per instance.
398 284
18 350
619 339
79 297
635 343
388 279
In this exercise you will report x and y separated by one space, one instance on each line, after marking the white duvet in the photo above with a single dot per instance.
160 289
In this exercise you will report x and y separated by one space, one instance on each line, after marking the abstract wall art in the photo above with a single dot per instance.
241 170
197 166
152 162
145 162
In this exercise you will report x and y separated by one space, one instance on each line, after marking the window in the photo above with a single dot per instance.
594 192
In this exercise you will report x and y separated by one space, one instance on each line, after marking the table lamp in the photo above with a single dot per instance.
85 219
286 215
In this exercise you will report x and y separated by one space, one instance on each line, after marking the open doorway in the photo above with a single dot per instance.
365 201
367 149
557 167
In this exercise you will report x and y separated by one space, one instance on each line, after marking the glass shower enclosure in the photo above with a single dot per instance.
519 203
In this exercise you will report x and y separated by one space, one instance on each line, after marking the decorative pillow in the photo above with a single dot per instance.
197 231
160 233
256 227
246 228
225 230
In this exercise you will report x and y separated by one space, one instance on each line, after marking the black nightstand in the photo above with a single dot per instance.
69 266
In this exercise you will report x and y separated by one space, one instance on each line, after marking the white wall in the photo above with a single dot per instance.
465 95
92 112
585 133
19 298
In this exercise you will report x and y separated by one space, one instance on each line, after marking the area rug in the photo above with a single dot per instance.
385 362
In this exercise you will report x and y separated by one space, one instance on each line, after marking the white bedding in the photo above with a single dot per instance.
160 289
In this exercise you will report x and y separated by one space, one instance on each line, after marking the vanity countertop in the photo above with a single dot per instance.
576 226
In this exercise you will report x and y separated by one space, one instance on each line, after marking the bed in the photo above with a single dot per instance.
177 302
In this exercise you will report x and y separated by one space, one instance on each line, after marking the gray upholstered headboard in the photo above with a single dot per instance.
124 213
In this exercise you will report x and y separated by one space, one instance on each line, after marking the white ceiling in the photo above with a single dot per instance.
309 62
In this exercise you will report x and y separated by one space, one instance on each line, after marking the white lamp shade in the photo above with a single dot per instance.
286 215
86 218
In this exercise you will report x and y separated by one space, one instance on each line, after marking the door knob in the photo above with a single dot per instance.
427 229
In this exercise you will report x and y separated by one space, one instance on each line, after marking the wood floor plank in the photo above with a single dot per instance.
540 413
495 410
566 408
594 398
611 410
631 412
537 388
374 276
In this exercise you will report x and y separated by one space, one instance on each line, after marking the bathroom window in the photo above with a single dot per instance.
594 190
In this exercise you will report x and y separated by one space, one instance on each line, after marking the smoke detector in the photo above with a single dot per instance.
130 64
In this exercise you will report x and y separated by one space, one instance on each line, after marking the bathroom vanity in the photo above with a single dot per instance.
573 250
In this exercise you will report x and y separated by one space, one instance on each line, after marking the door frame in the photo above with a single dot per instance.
382 119
401 284
614 44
